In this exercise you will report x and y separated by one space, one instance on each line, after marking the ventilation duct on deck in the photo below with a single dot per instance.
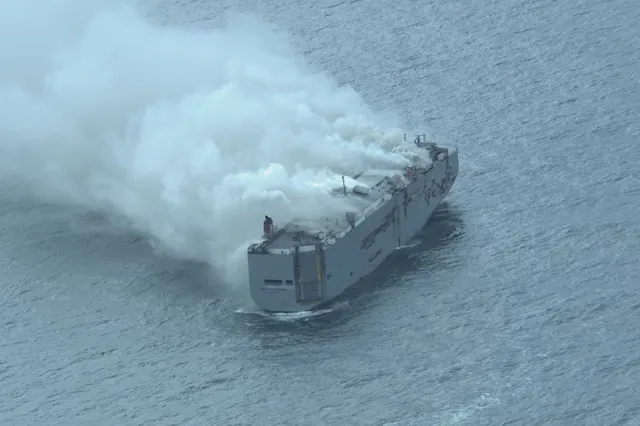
359 189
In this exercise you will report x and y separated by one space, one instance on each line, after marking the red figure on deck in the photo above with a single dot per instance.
267 226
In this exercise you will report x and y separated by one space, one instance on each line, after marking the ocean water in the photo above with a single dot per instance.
517 305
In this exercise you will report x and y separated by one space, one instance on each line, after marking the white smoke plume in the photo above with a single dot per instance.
193 135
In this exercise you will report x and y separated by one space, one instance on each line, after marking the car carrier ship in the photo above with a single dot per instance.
297 269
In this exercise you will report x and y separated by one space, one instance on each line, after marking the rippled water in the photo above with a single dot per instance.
518 306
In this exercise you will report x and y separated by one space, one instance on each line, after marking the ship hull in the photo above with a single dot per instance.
312 276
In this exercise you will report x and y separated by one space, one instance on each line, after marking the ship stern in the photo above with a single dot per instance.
279 282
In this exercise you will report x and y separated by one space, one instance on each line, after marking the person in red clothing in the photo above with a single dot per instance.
267 225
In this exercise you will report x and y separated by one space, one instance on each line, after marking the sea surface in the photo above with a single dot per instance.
518 306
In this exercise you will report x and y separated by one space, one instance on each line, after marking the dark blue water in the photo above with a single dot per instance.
519 306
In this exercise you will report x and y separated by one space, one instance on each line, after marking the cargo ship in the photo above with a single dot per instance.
296 268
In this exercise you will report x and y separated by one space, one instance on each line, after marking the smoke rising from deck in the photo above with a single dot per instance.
193 135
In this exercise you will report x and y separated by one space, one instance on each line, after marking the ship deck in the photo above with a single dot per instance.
294 234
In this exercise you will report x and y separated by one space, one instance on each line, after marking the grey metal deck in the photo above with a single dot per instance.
293 235
378 182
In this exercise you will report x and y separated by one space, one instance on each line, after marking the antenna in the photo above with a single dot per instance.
344 186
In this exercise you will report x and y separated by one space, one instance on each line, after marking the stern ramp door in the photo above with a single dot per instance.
309 272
